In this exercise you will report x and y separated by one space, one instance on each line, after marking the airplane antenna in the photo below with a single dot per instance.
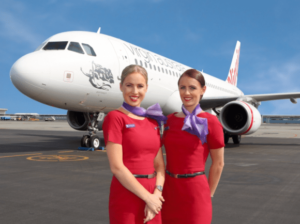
99 30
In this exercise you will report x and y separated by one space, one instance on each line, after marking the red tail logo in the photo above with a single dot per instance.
232 78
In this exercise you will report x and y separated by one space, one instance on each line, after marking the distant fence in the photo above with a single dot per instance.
281 119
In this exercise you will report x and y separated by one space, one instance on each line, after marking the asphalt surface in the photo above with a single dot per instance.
45 179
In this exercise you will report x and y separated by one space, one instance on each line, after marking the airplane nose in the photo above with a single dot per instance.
30 74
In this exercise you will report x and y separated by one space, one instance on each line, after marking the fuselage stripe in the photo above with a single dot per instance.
251 120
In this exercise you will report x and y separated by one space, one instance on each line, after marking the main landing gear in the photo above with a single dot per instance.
236 138
95 123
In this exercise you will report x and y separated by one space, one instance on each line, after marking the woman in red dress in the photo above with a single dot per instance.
189 137
134 151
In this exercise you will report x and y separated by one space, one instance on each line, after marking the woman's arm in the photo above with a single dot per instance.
216 168
120 171
159 166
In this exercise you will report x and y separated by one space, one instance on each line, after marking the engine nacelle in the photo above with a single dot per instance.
78 120
240 118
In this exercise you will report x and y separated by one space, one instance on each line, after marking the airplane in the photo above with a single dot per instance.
80 71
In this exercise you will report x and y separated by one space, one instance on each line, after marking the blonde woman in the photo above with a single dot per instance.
134 151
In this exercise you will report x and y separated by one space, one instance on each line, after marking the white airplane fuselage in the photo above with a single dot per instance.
84 83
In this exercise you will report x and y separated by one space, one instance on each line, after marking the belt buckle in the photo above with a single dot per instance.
176 175
152 175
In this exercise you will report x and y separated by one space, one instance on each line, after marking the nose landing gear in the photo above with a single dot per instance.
92 140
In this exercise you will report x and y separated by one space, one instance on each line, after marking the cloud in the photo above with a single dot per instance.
274 77
12 27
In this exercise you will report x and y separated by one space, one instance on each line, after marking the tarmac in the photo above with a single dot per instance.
45 179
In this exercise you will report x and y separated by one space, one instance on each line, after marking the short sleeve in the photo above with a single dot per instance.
113 128
215 137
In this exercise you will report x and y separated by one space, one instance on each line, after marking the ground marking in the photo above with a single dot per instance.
20 155
57 158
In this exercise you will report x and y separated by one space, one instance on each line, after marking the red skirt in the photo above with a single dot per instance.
125 207
187 200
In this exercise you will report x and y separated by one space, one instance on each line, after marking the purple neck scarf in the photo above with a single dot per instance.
153 112
195 125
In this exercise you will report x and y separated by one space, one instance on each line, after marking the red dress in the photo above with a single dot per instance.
187 200
140 140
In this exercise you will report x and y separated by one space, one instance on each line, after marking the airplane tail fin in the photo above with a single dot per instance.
233 71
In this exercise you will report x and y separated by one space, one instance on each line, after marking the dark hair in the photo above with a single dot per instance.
195 74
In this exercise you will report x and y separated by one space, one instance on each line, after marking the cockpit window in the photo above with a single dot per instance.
56 45
74 46
89 50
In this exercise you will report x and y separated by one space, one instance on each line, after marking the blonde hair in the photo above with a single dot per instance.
132 69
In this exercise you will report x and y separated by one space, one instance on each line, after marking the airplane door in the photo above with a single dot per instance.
121 54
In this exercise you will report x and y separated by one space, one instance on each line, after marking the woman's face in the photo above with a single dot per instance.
134 89
190 91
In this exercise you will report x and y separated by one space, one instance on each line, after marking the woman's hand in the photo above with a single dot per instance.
148 214
154 202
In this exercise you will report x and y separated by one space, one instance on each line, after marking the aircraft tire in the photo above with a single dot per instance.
85 141
226 138
236 139
95 142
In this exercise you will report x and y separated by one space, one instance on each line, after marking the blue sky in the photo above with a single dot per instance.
200 34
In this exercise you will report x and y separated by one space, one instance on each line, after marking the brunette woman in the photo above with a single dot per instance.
135 157
189 137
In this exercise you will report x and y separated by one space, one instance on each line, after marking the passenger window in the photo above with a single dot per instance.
158 68
154 67
150 66
56 45
89 50
163 70
141 63
166 71
74 46
146 64
136 62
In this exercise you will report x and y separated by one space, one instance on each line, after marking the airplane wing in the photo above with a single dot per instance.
213 102
275 96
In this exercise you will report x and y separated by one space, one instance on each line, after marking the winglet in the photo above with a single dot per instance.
99 30
233 71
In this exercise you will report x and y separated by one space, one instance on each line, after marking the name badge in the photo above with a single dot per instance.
156 128
130 125
167 128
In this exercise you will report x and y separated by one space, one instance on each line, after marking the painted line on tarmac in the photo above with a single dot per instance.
57 158
294 136
21 155
66 151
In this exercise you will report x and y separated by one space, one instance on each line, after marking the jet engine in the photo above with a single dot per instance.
78 120
240 118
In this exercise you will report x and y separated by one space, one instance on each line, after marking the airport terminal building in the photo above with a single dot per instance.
2 111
